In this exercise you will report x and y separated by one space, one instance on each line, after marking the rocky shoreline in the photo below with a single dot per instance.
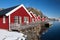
35 35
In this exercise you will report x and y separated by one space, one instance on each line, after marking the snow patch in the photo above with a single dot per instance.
6 35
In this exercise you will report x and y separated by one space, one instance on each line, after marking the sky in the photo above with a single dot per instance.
50 8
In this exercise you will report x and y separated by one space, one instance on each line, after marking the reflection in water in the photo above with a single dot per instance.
53 32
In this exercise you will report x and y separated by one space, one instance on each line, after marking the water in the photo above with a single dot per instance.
53 32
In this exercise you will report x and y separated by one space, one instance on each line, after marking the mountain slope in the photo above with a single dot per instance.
35 11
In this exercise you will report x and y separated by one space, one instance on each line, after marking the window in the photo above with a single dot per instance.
25 19
32 20
20 19
16 19
4 21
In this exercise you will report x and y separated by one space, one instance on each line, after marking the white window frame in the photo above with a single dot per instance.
4 19
27 20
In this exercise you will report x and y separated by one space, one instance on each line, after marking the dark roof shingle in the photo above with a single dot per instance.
3 12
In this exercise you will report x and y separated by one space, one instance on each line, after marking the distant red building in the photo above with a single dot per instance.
38 17
33 17
43 19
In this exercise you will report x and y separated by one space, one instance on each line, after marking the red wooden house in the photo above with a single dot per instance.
17 14
33 17
43 19
39 18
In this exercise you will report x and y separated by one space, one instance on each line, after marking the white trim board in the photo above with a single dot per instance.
9 24
31 12
7 14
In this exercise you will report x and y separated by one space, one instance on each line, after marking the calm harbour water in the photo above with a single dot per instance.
53 32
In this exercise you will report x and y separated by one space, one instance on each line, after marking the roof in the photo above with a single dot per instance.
4 11
32 14
9 11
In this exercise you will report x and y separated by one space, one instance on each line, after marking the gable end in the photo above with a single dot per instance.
7 14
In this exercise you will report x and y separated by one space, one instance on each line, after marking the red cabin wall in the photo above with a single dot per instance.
39 18
20 12
43 19
4 25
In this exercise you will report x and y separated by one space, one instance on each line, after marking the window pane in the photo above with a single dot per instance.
4 21
16 19
25 19
20 19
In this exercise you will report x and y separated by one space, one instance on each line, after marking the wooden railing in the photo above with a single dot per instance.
20 26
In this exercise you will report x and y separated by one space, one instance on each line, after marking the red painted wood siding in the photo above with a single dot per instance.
43 19
4 25
39 18
20 12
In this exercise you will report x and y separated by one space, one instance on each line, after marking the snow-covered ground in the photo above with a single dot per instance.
6 35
